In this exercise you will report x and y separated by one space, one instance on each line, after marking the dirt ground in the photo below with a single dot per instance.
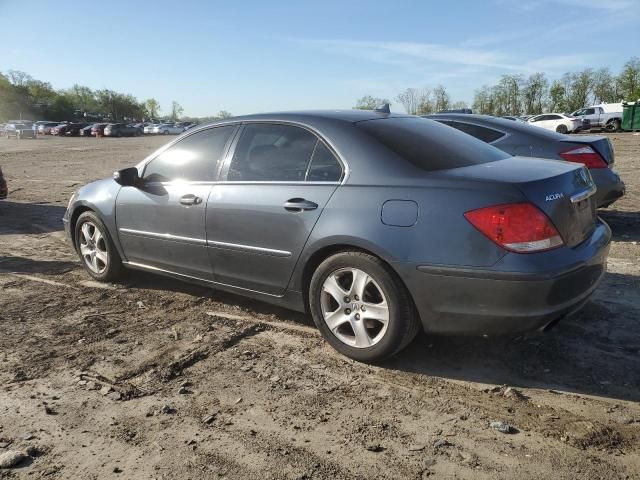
150 378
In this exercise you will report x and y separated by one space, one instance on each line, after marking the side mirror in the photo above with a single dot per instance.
127 177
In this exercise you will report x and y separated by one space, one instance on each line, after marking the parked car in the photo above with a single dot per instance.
121 130
98 129
74 129
558 122
60 129
19 130
86 131
148 129
377 224
4 191
37 125
45 128
518 138
604 115
166 129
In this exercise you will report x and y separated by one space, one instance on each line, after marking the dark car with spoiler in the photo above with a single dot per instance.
521 139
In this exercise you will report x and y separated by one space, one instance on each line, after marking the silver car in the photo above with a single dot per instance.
166 129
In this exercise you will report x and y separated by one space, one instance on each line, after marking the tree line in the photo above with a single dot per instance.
24 97
517 94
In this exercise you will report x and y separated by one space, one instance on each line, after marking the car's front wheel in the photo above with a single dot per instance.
361 307
96 249
562 129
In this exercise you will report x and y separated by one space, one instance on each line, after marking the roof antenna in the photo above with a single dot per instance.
383 109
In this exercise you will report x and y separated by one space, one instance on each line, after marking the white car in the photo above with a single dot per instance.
166 129
558 122
148 129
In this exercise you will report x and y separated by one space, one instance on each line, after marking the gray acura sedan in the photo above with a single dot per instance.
376 224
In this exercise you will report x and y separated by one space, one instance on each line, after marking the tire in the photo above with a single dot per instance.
86 242
612 126
562 129
382 290
166 132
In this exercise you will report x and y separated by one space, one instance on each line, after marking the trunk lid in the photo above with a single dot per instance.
562 190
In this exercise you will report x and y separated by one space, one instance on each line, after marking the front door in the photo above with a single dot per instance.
258 221
161 222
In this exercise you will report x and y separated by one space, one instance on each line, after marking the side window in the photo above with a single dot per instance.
192 159
589 111
553 117
536 119
485 134
324 165
271 152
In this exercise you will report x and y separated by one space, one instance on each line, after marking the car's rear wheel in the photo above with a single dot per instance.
562 129
96 249
361 307
612 126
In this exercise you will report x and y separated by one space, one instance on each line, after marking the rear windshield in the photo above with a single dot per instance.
430 145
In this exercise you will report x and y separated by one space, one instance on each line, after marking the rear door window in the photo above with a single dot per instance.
194 158
430 145
272 153
324 167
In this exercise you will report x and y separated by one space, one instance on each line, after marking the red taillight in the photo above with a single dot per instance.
585 155
519 227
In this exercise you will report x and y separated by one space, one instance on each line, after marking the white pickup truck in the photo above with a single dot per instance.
604 115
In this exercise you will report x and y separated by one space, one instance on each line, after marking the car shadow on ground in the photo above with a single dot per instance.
625 226
149 281
29 265
594 352
21 218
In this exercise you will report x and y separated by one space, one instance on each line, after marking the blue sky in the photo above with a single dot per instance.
254 56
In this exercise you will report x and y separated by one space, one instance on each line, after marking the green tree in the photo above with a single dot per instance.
224 114
629 80
605 89
152 108
441 99
176 111
557 97
534 92
370 103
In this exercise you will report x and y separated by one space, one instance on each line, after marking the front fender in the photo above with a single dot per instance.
99 197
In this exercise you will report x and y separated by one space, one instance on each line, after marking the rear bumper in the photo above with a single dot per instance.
469 301
610 186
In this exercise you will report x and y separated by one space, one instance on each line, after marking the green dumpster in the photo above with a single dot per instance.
631 115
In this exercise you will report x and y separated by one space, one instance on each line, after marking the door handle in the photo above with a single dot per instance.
299 205
190 199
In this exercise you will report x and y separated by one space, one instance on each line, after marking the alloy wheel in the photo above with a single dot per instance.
93 248
354 307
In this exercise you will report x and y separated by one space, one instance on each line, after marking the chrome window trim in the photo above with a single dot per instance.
163 236
143 266
240 182
249 248
232 148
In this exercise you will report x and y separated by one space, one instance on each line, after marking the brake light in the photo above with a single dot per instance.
518 227
585 155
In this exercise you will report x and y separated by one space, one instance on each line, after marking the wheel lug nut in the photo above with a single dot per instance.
347 311
356 298
363 308
347 299
357 316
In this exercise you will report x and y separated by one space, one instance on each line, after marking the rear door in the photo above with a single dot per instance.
276 183
161 222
